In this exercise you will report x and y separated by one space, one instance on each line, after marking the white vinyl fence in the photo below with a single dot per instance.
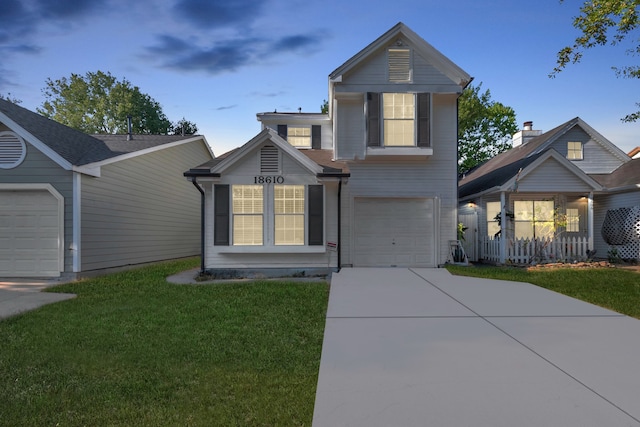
526 251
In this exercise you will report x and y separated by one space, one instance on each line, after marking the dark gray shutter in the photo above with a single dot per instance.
221 215
373 119
282 131
316 137
316 215
424 120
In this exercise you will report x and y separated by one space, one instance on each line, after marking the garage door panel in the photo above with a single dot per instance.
29 233
393 232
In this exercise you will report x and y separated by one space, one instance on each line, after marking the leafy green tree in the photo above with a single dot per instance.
183 127
99 103
10 98
324 108
485 127
601 23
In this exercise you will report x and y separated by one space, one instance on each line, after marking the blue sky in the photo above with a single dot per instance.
218 63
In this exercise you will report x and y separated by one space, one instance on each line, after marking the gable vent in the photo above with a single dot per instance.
12 150
399 64
269 159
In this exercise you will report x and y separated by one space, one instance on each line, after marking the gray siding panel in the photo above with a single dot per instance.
596 159
37 168
142 209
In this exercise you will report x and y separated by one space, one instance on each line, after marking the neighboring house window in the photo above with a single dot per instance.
12 150
248 205
398 119
493 227
399 64
574 150
573 220
289 214
299 136
534 219
302 136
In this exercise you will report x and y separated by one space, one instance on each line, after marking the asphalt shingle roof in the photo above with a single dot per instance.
76 147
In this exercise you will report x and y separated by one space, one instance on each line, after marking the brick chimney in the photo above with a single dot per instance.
526 134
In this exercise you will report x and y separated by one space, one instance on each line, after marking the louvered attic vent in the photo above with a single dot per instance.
269 159
12 150
399 64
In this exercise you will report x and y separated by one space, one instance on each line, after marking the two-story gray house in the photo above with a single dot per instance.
371 183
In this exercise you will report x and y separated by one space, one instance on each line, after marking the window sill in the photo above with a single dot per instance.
271 249
399 151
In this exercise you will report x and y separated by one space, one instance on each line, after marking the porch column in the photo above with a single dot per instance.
590 220
503 227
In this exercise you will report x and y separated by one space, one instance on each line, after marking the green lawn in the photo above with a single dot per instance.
132 349
612 288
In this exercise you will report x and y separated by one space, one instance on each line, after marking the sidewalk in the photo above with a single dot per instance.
20 295
420 347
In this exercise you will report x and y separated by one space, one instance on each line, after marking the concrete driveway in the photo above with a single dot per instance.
421 347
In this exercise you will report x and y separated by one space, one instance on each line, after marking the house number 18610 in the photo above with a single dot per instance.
268 179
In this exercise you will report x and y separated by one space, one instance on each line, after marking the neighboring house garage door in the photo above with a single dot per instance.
394 232
30 234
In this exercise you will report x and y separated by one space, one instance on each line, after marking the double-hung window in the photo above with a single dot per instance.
299 136
289 214
398 115
268 215
574 150
398 119
248 217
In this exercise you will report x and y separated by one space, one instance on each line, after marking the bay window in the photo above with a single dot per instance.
289 214
248 205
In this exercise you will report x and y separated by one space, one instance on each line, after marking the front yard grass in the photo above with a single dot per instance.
132 349
612 288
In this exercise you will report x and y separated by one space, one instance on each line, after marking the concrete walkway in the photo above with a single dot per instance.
21 295
421 347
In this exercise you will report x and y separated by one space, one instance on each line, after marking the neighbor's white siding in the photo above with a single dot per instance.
596 158
552 177
141 209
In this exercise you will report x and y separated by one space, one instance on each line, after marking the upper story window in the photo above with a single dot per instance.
574 150
398 120
399 61
302 136
299 136
398 115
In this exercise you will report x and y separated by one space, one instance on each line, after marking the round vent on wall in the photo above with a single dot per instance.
12 150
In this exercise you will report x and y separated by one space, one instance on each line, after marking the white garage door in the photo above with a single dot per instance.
29 234
394 232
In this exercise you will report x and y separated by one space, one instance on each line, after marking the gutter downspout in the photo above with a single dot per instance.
339 224
195 184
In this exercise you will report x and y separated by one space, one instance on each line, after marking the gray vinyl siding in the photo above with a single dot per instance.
141 209
604 202
433 177
218 257
374 73
40 169
350 129
596 158
551 176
